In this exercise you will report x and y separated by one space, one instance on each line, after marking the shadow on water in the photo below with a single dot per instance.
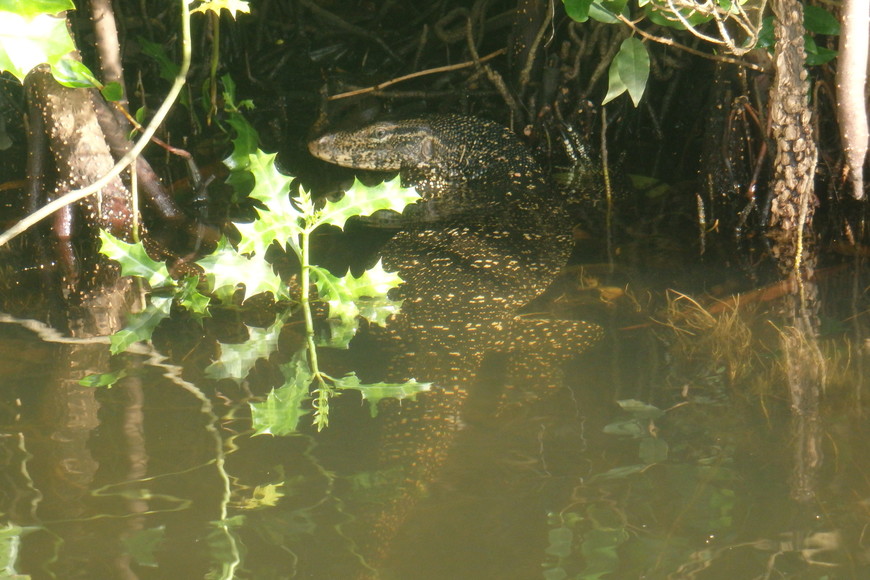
667 451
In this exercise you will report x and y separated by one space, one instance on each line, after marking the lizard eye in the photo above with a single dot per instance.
380 133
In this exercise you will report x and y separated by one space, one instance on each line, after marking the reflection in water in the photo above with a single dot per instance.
158 476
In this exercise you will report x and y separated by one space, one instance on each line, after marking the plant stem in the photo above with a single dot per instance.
215 59
322 389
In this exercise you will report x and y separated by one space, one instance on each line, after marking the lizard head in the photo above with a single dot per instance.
381 146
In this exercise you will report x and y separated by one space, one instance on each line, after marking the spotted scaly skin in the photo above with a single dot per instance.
489 236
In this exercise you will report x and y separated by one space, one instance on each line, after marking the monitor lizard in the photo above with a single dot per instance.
488 236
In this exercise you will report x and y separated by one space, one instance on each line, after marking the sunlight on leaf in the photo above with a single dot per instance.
605 11
378 310
29 38
112 91
281 221
362 200
74 74
233 6
226 269
348 295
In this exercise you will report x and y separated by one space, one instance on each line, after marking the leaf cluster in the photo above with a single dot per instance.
233 274
629 70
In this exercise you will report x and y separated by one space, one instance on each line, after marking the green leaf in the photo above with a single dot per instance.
167 69
378 310
236 360
283 408
226 269
103 380
821 56
112 92
189 297
215 6
349 297
615 86
817 20
599 549
244 143
229 92
640 409
605 12
632 62
142 545
74 74
816 54
271 188
36 7
660 13
134 260
577 9
29 39
278 222
375 392
362 200
653 450
341 332
766 37
140 326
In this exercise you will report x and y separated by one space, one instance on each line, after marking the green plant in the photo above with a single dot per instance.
239 272
735 26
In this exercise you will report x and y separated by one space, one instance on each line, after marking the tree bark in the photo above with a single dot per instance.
794 164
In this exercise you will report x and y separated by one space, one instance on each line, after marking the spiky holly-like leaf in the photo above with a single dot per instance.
233 6
345 295
134 260
374 393
236 360
283 408
226 269
281 221
190 298
363 200
141 326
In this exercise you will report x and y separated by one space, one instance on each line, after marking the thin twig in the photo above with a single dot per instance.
421 73
675 44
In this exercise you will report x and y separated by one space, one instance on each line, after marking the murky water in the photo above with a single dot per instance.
667 451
